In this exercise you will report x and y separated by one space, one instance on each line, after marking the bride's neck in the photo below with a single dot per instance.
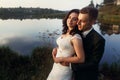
68 31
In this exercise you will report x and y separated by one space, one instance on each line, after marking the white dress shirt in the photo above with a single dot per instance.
86 32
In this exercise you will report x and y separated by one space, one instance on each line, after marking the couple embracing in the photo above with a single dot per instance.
80 47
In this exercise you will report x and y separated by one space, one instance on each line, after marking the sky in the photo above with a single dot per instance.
53 4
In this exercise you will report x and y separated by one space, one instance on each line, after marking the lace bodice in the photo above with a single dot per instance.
65 48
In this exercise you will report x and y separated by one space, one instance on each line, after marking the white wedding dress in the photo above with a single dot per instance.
65 49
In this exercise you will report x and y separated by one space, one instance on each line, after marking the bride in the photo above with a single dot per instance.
70 48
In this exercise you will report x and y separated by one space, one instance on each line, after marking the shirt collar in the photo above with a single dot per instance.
86 32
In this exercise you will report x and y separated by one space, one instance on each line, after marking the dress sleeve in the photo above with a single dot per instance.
76 36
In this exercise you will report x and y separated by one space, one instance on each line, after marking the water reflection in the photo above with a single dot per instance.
110 29
23 36
48 38
111 33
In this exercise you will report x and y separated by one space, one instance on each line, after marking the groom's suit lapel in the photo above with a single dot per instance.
89 35
88 38
88 43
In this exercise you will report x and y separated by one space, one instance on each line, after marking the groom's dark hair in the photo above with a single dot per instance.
91 11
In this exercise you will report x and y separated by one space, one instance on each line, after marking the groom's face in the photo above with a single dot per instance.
84 22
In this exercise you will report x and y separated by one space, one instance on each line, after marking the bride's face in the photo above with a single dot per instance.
72 20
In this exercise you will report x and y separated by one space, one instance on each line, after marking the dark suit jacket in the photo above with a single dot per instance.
94 48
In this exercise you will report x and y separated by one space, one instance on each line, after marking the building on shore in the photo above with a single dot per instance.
117 2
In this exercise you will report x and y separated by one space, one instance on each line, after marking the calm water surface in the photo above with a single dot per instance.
24 35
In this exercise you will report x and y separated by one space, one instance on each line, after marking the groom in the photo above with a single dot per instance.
93 46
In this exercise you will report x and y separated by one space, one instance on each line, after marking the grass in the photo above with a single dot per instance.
110 72
37 66
17 67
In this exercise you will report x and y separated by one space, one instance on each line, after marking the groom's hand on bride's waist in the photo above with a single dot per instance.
54 52
64 63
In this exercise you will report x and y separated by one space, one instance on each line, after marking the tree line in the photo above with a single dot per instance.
22 13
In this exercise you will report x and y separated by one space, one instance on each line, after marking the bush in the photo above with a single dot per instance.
42 59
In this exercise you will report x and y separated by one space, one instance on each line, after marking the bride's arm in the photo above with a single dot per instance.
80 56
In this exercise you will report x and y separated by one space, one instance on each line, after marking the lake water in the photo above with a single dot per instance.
23 36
